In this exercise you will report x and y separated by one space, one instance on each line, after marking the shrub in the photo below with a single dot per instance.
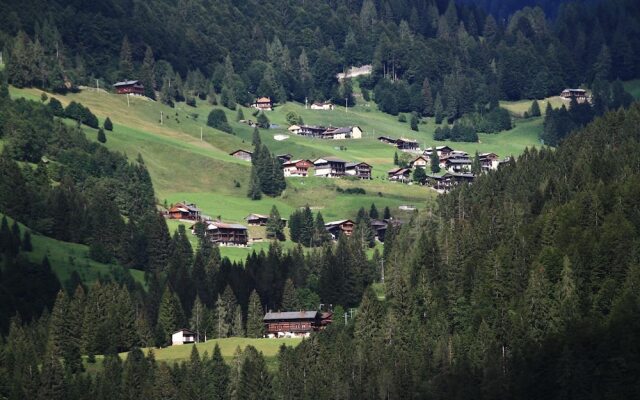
108 125
218 119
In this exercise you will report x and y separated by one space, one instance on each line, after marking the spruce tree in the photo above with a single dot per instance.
239 115
255 315
294 226
414 121
275 225
126 61
26 242
221 328
321 235
434 161
438 109
219 378
395 159
476 168
255 190
387 213
170 316
53 385
373 212
289 300
102 138
534 111
255 381
237 330
148 74
108 125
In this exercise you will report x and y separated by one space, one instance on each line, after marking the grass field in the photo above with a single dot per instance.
633 87
228 346
184 167
518 108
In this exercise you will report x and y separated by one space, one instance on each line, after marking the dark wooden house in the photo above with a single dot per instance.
342 227
184 210
244 155
227 234
129 87
330 167
295 323
406 144
361 170
260 220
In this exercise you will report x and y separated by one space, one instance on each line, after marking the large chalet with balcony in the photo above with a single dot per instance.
360 170
295 323
330 167
298 168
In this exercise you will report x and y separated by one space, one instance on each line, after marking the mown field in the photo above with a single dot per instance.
228 346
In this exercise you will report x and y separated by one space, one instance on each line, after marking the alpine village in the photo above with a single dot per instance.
340 200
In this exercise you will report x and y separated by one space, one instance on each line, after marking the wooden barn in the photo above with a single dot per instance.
295 323
129 87
263 103
244 155
184 210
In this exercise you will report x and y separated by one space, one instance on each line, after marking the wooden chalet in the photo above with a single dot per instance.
295 129
295 323
259 219
263 104
330 167
350 132
244 155
184 210
129 87
489 161
420 162
399 175
578 94
361 170
327 106
342 227
312 130
406 144
296 168
446 182
456 165
443 151
183 336
226 234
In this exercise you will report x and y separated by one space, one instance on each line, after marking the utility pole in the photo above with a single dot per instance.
97 85
160 117
306 100
1 58
345 318
346 104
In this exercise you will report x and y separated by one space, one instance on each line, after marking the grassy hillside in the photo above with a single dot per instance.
184 167
67 257
228 346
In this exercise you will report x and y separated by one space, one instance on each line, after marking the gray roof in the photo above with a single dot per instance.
125 83
340 130
270 316
459 161
332 159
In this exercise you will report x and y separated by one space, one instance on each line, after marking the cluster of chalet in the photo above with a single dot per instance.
346 227
403 144
295 323
129 87
457 165
322 132
222 233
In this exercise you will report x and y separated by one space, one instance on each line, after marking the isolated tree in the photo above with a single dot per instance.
419 175
395 159
534 111
275 225
263 121
414 121
373 211
255 192
108 125
218 119
102 138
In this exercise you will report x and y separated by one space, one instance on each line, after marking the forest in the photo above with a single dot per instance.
234 51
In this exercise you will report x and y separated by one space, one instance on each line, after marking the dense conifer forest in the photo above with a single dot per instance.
524 285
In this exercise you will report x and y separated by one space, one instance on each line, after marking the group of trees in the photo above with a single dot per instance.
307 230
267 175
474 58
459 132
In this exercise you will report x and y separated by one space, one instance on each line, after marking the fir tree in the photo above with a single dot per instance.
289 301
387 213
419 175
434 160
108 125
414 121
52 379
26 242
395 159
170 316
255 192
126 61
102 138
219 375
148 74
373 211
438 109
476 167
237 329
221 326
255 315
534 111
321 235
275 225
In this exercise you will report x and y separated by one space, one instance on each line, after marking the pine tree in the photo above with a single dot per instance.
126 61
108 125
434 160
321 235
419 175
534 111
52 379
219 380
255 315
148 74
64 338
255 191
256 142
170 316
102 138
26 242
275 225
476 168
373 212
196 322
221 326
414 121
289 301
255 381
239 115
395 159
438 109
237 329
428 107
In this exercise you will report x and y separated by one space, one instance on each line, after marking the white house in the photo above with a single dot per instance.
183 336
322 106
295 129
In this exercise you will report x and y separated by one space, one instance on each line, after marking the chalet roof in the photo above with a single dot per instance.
125 83
337 131
331 159
294 127
264 100
459 161
387 138
353 164
271 316
339 222
241 151
406 140
575 90
399 171
420 157
393 170
213 225
255 216
185 207
378 222
468 175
